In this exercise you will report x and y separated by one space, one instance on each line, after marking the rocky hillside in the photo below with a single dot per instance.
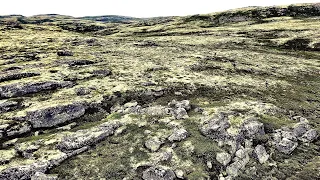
230 95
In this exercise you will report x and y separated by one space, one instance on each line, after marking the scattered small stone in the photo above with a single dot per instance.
198 110
240 153
179 173
156 173
64 53
185 104
180 113
147 132
223 158
286 146
178 135
253 128
209 164
153 144
82 91
102 72
261 154
149 83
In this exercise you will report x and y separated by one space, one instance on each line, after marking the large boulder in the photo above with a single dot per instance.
52 116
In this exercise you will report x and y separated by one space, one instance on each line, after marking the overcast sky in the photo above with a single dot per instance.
134 8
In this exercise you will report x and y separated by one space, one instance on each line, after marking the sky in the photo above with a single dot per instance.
133 8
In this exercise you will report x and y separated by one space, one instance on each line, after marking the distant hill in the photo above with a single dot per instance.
109 18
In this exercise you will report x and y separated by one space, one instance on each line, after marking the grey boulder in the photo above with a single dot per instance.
56 115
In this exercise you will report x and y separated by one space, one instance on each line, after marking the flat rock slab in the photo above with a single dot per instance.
56 115
87 137
19 89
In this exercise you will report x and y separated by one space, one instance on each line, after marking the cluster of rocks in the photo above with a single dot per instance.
178 109
69 145
240 139
286 139
235 158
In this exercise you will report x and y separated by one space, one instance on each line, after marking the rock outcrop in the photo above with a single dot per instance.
56 115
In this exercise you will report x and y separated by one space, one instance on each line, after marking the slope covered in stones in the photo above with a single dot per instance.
230 95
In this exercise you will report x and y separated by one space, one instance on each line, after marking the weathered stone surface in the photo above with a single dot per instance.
153 144
252 128
185 104
26 149
239 164
18 129
23 172
18 89
53 116
300 128
180 113
215 127
79 62
286 146
261 154
7 105
178 135
155 173
87 137
15 76
223 158
42 176
156 111
309 136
